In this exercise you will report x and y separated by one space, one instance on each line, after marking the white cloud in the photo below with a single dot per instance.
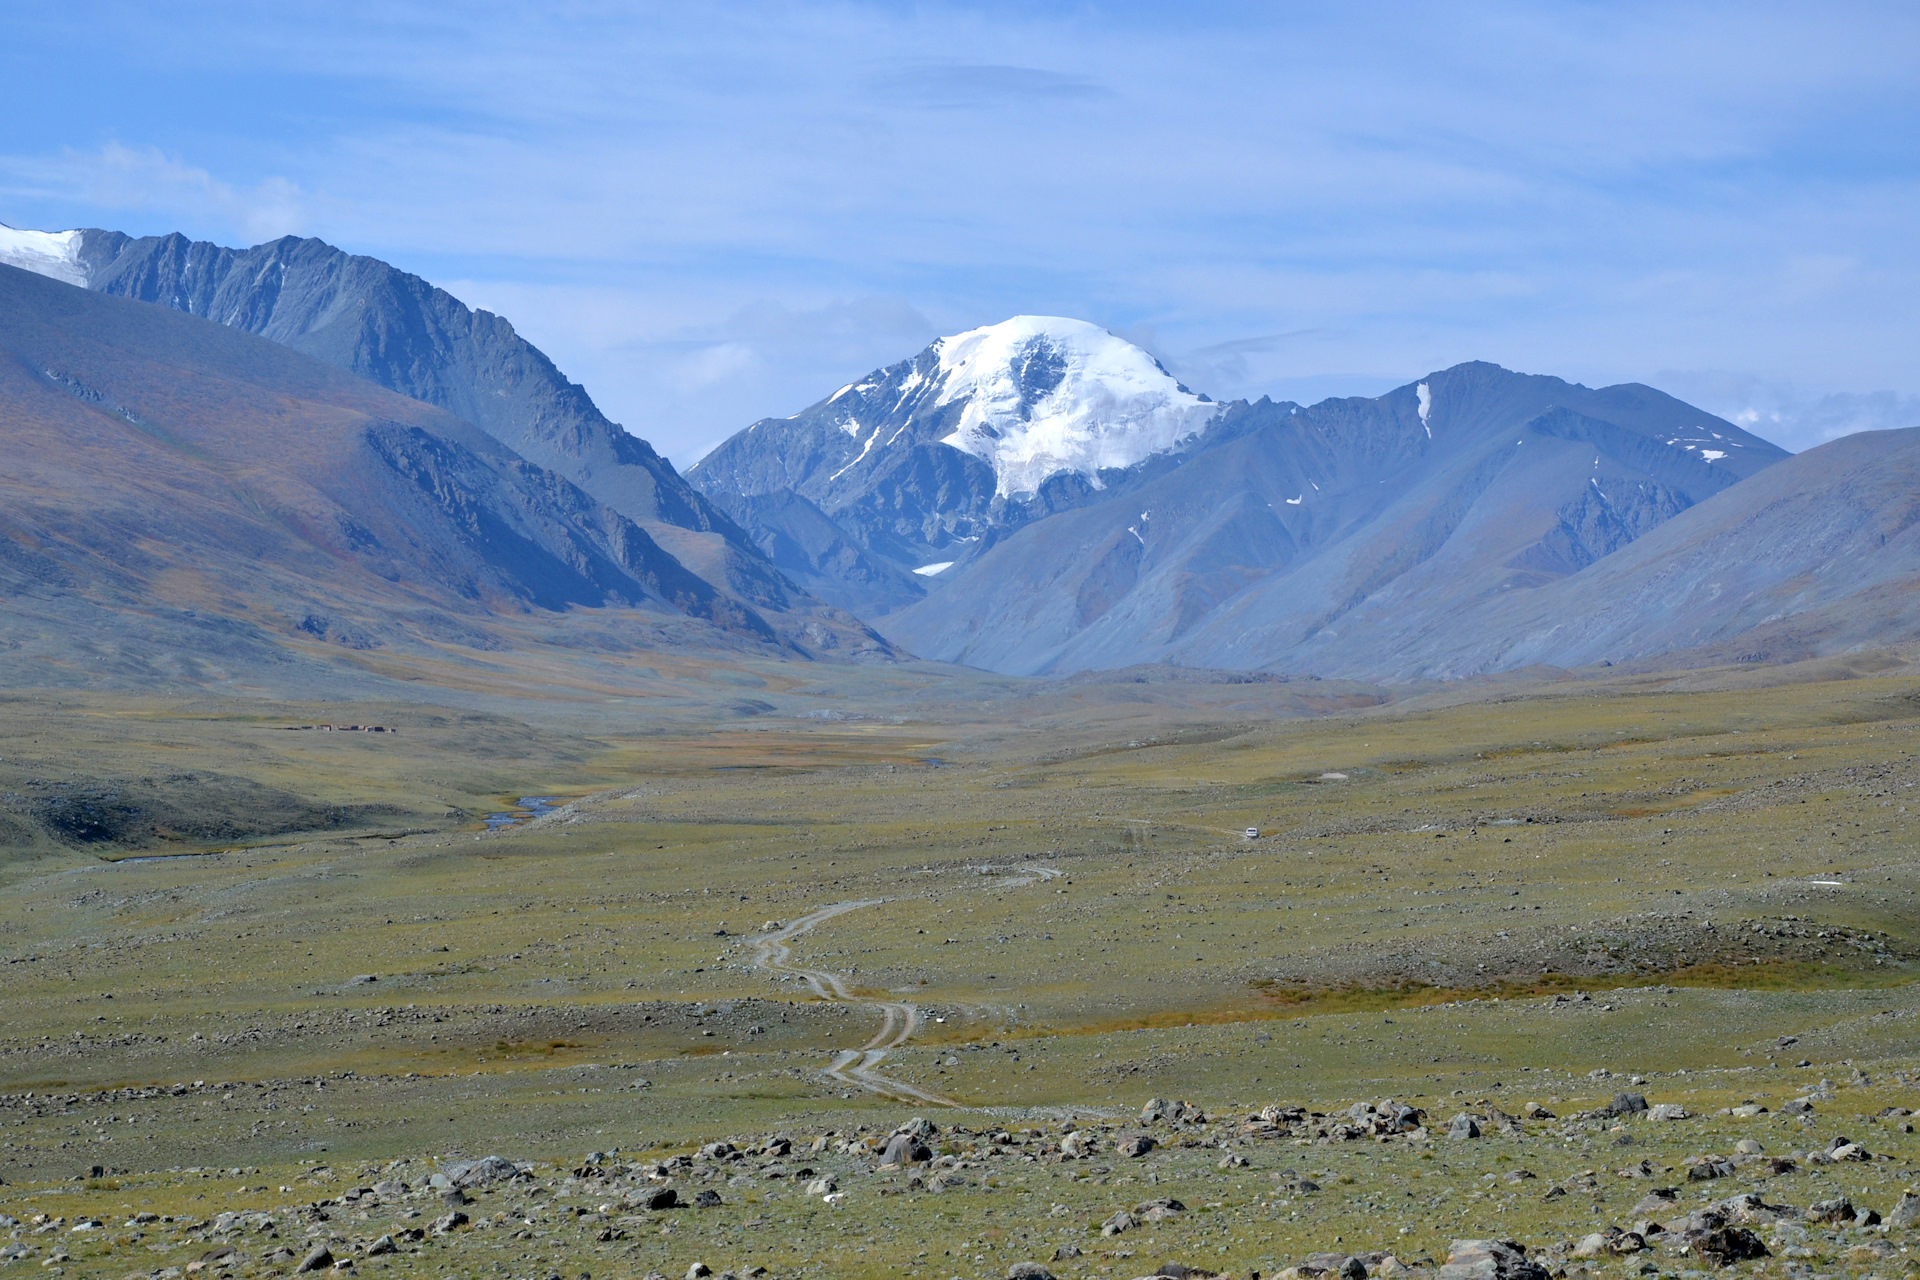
144 180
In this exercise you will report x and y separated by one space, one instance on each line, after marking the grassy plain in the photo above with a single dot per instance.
1724 865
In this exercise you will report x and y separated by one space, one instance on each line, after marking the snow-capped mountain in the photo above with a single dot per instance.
47 253
924 460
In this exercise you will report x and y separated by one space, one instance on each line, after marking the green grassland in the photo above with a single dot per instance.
1059 879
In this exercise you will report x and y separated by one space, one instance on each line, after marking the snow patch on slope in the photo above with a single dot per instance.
1426 406
1045 395
47 253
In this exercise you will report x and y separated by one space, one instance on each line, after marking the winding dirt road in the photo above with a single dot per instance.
899 1020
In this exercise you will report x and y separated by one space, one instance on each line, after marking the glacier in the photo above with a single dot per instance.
47 253
1042 395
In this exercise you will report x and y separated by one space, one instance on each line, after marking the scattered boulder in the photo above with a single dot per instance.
1798 1107
1118 1223
1907 1212
1668 1111
655 1198
319 1258
1066 1252
1077 1145
454 1198
1159 1210
822 1186
707 1200
699 1271
1729 1245
448 1221
1463 1126
1028 1271
1658 1200
1490 1260
905 1149
384 1244
478 1173
1626 1104
1135 1146
919 1127
1840 1211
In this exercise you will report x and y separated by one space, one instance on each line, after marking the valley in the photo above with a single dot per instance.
1042 905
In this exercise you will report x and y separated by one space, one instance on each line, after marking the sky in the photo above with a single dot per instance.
714 213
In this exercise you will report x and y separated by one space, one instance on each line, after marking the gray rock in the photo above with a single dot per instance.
1118 1223
320 1258
1028 1271
448 1221
904 1149
1463 1126
1066 1252
1907 1212
1135 1146
822 1186
1490 1260
655 1198
390 1189
454 1197
384 1244
1728 1245
478 1173
698 1271
1626 1104
919 1127
1159 1210
1840 1210
707 1200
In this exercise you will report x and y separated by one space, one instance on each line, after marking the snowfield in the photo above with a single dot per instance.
1045 395
47 253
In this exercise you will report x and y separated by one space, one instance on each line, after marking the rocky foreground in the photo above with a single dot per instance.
1390 1187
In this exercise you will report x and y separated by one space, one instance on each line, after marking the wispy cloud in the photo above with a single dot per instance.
1602 192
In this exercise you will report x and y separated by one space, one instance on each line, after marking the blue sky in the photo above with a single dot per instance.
713 213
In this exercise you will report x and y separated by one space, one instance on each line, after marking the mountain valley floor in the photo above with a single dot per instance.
1504 962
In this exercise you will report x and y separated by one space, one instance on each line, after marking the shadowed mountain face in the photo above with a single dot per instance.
395 329
158 464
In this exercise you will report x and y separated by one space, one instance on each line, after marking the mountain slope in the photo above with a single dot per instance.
160 466
981 432
1289 537
1817 555
397 330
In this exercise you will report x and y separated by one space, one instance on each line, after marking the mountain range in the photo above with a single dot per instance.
1035 497
396 330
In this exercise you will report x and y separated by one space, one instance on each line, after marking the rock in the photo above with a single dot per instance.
1748 1147
1658 1200
1155 1110
1626 1104
718 1151
384 1244
1535 1111
707 1200
1028 1271
1066 1251
905 1149
1136 1146
1233 1160
1907 1212
1518 1176
1747 1111
390 1189
1463 1126
1668 1111
1850 1151
1119 1222
919 1127
1077 1145
478 1173
1798 1107
321 1257
1159 1210
822 1186
1490 1260
655 1198
448 1221
1840 1210
1729 1245
454 1197
1709 1169
698 1271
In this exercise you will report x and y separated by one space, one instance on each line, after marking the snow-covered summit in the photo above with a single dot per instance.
1042 395
49 253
